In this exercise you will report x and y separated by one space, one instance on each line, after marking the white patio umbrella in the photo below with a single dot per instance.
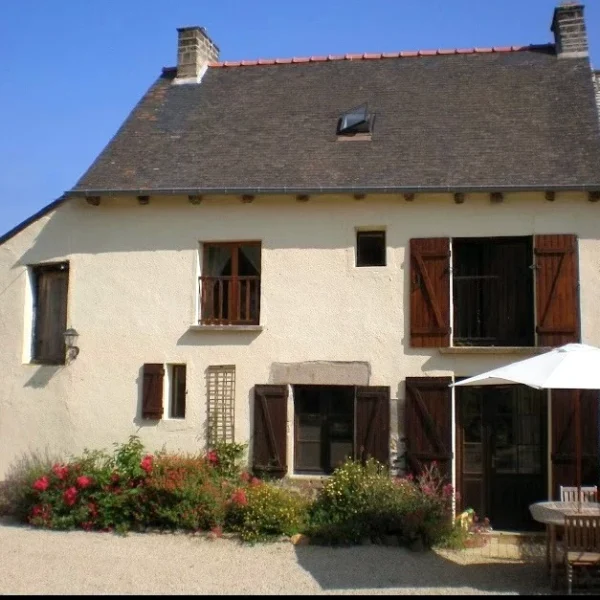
572 367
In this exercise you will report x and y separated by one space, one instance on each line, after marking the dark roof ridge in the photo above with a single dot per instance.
380 55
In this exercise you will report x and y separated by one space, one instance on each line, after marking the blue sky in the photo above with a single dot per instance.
73 69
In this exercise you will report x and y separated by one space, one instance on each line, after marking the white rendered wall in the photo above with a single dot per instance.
132 298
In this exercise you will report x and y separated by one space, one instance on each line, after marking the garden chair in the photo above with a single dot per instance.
569 494
582 548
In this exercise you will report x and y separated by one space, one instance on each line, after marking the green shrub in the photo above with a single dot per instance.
362 501
185 492
227 458
262 511
357 501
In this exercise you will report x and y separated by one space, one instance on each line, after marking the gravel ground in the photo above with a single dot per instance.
34 561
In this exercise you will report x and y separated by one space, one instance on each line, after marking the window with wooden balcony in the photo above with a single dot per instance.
230 283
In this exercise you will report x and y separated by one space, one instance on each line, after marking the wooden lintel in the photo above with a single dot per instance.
302 197
496 197
594 196
195 198
360 196
550 196
247 198
409 197
143 199
93 200
459 197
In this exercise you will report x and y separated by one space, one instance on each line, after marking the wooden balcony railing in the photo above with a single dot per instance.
230 300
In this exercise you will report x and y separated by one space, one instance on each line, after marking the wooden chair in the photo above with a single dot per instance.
582 548
569 494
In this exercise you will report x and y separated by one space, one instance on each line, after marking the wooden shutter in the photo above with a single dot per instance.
557 289
564 467
270 430
51 313
430 292
152 392
428 423
372 424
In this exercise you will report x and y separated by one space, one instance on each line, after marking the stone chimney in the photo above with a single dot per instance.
568 27
195 50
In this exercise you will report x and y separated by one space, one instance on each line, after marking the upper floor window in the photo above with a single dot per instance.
230 283
500 291
370 248
492 284
50 287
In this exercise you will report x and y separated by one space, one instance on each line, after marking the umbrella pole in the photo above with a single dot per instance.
578 444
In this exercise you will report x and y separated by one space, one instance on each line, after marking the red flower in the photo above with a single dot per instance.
41 484
61 471
244 476
239 497
255 481
37 510
70 496
93 509
147 463
83 481
114 478
213 457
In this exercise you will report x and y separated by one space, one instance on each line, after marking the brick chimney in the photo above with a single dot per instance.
195 50
568 26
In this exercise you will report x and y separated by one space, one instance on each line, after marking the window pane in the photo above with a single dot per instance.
178 392
218 260
370 249
249 260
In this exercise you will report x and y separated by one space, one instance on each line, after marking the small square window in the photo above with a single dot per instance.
370 248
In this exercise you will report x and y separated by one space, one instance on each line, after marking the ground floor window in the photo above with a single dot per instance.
324 427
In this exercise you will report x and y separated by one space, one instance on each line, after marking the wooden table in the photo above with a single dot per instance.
553 515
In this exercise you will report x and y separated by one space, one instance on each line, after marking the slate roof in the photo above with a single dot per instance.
445 120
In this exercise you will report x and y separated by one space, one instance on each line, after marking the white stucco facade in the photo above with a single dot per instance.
133 285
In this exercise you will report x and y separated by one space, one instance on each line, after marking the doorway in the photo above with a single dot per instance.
502 453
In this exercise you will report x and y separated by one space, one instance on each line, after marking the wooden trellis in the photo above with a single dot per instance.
220 394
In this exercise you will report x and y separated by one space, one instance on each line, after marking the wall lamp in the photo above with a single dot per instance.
71 336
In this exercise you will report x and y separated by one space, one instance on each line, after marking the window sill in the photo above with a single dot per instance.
231 328
531 350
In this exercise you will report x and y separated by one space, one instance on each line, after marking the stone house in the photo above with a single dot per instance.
302 254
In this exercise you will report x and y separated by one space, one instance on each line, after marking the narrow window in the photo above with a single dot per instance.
370 248
230 283
178 390
50 305
220 394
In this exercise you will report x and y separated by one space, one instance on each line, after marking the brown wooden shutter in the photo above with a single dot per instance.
557 289
270 430
428 423
372 424
51 313
152 392
430 292
564 467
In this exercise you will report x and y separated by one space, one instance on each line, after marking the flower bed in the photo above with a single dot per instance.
133 489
